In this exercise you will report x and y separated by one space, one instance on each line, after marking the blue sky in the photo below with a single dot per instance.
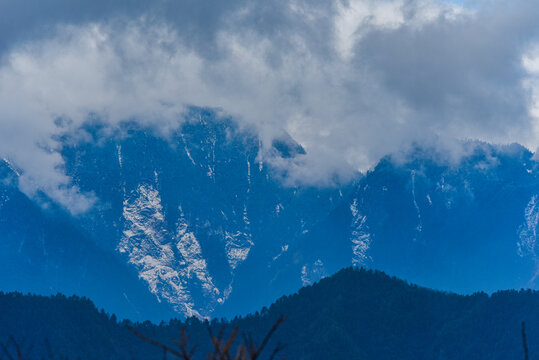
349 80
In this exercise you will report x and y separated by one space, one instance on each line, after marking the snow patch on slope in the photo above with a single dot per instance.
361 238
238 245
284 249
144 242
4 198
12 167
120 158
528 234
311 273
171 264
419 226
249 176
193 265
528 230
187 152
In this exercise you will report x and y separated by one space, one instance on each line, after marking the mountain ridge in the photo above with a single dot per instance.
198 222
354 313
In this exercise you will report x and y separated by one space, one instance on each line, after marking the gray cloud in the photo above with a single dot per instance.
465 71
349 80
199 21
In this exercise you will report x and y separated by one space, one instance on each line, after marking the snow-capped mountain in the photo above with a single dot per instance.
197 223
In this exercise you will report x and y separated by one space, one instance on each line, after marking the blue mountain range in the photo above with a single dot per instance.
198 224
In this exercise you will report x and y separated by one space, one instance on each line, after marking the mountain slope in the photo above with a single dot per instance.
43 250
463 226
198 216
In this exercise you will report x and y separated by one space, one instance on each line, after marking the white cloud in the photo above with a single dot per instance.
530 63
390 73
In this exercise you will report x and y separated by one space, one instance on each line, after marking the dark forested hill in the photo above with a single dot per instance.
355 314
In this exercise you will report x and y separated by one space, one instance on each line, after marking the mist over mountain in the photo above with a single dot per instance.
350 81
197 223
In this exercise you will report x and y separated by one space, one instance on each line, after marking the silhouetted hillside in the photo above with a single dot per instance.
355 314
